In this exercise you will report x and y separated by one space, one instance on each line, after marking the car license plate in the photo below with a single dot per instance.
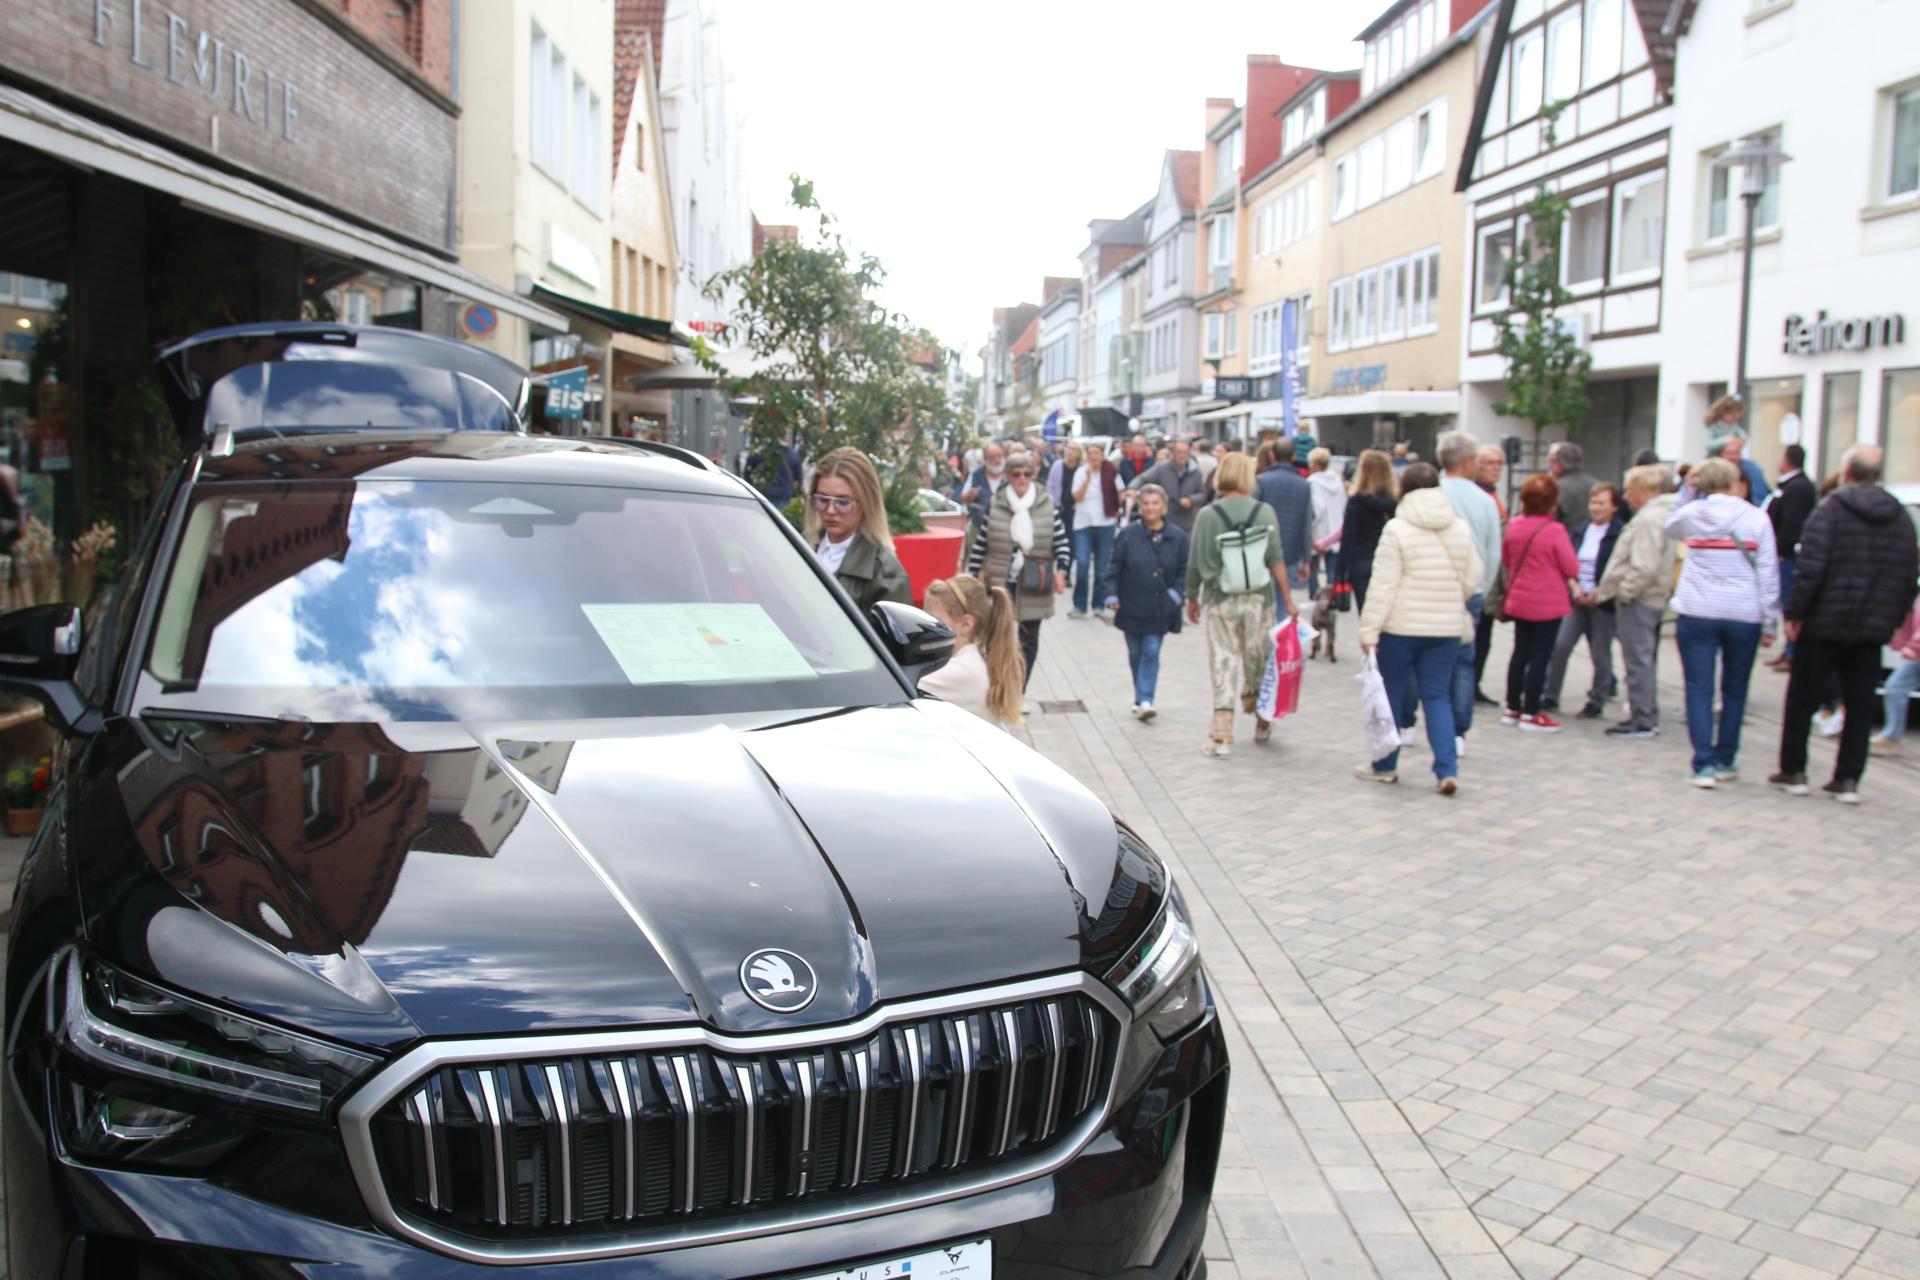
970 1261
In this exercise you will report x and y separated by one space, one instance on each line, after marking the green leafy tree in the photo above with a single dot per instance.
1546 367
833 366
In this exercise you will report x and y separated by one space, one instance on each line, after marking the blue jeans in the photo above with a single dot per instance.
1702 643
1143 657
1091 547
1900 686
1464 680
1428 662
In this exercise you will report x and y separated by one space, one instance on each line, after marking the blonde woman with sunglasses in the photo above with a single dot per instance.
847 523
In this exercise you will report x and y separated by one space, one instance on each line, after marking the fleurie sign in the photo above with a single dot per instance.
1820 335
271 87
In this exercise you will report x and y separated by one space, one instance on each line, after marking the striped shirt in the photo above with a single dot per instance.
1062 550
1732 569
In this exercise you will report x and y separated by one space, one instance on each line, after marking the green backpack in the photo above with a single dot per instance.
1243 555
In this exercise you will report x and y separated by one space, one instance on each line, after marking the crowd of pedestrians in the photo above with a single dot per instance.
1230 538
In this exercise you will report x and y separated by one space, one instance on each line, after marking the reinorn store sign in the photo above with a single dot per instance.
269 86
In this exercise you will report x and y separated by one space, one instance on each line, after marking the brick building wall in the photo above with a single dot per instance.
416 32
356 132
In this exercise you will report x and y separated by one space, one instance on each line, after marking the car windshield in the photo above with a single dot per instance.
384 600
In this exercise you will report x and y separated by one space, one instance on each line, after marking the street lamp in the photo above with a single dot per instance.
1753 158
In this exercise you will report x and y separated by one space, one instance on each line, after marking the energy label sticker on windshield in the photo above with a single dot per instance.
674 643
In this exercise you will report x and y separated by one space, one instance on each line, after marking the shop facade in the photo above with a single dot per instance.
173 168
1832 353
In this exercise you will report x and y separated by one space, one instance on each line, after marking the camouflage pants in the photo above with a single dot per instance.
1238 628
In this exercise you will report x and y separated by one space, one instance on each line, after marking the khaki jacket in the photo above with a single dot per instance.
1641 569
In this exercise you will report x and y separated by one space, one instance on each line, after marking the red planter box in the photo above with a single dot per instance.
928 557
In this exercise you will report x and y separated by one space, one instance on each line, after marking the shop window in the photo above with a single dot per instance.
1839 420
1900 425
1583 249
1639 219
1773 413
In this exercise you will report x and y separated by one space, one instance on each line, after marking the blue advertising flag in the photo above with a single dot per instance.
567 393
1050 429
1289 372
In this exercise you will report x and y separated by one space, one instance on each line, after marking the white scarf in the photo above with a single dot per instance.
1020 527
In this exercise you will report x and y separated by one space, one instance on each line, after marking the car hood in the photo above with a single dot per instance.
381 883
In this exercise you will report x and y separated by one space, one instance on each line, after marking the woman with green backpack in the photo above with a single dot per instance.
1235 566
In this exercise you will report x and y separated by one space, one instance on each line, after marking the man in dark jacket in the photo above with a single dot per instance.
1565 463
1291 497
1793 501
1852 589
1185 484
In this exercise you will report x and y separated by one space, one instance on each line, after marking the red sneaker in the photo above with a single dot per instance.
1541 723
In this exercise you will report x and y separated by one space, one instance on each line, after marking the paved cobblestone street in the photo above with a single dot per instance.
1581 1020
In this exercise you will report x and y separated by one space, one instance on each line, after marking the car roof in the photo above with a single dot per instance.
478 456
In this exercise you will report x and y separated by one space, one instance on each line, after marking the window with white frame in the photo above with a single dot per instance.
1423 307
1214 322
1263 233
1393 300
1226 161
1903 142
1414 33
1302 327
1720 185
1408 151
1339 308
1563 56
1528 83
1220 242
541 130
1366 308
1639 225
1263 352
1583 242
1494 256
1303 122
1370 172
1172 251
1603 45
585 179
1233 331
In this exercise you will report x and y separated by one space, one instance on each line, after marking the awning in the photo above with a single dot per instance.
691 375
1371 403
607 318
1246 408
78 140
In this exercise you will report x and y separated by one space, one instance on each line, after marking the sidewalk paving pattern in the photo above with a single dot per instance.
1579 1021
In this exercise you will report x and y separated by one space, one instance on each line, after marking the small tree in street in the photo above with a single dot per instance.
834 367
1546 367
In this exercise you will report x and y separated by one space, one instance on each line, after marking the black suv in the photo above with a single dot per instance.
474 849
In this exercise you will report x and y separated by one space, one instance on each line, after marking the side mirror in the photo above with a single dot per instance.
39 652
916 639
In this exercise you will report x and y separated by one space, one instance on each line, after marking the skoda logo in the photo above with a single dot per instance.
777 980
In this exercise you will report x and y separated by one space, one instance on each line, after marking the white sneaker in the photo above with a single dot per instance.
1145 711
1459 748
1829 723
1136 711
1406 737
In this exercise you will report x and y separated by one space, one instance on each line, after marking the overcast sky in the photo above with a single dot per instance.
967 146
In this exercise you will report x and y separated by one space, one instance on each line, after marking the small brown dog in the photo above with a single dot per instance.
1323 620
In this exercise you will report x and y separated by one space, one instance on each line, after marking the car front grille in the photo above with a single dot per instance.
575 1145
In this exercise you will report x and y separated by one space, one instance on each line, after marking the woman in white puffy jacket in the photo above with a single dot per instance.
1416 616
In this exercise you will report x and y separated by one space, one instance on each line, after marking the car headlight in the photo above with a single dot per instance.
1161 977
151 1074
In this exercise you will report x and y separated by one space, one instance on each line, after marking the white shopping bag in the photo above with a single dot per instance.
1376 712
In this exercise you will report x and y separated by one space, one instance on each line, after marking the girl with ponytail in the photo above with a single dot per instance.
987 671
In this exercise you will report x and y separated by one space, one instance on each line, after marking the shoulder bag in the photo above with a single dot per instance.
1495 604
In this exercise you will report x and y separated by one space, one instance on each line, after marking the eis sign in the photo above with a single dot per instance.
567 394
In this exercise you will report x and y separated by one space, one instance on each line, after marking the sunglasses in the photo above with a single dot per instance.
828 502
1020 471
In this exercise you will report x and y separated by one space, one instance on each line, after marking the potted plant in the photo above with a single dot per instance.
25 787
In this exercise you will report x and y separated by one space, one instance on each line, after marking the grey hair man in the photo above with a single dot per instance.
1852 588
1459 462
1638 580
1566 463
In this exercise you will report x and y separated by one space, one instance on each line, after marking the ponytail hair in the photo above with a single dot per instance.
994 631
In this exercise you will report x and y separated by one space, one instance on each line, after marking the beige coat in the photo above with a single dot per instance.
1641 569
1423 572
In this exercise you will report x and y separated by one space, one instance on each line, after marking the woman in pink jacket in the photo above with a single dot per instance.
1542 575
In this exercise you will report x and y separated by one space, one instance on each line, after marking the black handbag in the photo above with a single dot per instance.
1032 576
